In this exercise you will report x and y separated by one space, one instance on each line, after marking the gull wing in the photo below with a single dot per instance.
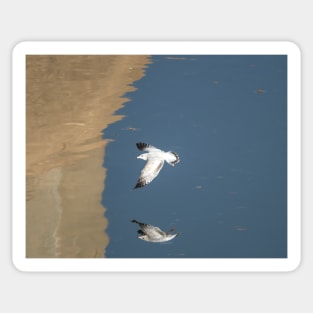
150 230
153 232
149 172
146 147
172 158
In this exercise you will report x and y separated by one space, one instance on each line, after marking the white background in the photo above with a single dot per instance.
159 20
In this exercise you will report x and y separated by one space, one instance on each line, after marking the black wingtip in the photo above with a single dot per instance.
141 145
140 184
171 230
137 186
177 158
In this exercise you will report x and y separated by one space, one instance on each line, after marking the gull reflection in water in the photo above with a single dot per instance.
154 234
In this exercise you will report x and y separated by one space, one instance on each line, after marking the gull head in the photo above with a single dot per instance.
143 156
144 237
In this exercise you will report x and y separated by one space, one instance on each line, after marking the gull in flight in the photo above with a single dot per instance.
154 234
155 160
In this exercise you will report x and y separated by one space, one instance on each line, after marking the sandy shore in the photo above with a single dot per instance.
69 101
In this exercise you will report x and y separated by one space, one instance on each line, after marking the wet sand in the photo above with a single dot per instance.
70 100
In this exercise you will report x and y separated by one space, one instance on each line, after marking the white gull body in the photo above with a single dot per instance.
155 160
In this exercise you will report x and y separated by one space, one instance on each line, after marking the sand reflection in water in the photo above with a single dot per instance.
69 101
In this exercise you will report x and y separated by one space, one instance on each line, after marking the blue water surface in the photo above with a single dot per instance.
226 117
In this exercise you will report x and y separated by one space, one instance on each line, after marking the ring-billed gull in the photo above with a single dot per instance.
154 234
155 160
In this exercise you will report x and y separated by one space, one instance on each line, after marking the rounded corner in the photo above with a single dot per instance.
295 265
294 47
18 46
18 265
21 48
